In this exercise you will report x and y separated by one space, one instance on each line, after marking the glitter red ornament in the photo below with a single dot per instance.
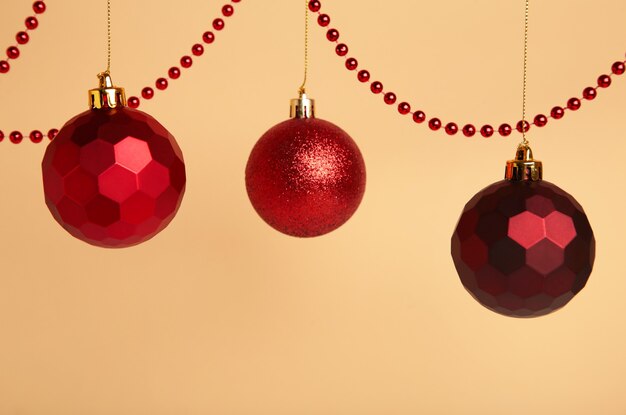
305 176
523 247
113 176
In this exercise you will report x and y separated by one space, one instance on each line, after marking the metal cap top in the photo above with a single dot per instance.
106 96
524 167
302 107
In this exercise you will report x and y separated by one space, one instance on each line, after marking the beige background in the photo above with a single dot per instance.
220 314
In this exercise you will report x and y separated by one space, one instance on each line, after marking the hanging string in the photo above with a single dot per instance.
524 140
108 36
302 89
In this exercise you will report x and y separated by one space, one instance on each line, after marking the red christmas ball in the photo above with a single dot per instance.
113 177
523 248
305 177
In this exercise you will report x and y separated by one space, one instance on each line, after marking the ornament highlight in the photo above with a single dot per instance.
305 177
113 176
523 247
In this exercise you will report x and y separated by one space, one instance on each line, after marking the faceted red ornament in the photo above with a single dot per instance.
305 177
113 177
523 248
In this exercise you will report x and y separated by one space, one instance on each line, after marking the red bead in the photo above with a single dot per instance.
540 120
1 136
13 52
228 10
434 124
363 75
604 81
451 128
186 61
522 126
376 87
305 177
523 249
341 49
505 130
315 6
147 92
235 1
351 64
573 104
4 66
39 7
36 136
323 20
208 37
486 131
404 108
113 178
589 93
557 113
16 137
133 102
469 130
218 24
332 35
618 68
390 98
419 117
22 38
31 23
52 133
161 83
173 72
197 49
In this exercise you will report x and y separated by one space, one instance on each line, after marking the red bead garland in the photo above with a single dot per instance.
451 128
197 49
341 49
22 37
161 83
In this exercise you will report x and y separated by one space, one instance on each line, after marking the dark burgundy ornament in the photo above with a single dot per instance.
523 247
113 176
305 176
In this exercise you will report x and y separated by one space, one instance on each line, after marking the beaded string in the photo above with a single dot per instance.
108 36
451 128
525 125
302 88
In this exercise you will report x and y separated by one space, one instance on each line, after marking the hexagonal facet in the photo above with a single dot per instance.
523 249
113 178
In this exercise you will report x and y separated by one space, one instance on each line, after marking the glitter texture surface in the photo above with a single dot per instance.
305 177
113 178
523 249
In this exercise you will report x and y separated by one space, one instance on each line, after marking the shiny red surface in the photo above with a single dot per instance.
305 177
523 249
113 178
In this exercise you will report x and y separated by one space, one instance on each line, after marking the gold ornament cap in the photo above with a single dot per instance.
106 96
524 167
302 107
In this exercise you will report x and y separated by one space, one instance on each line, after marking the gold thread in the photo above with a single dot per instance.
108 36
302 89
524 140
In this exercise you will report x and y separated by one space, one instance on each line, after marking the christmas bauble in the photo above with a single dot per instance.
113 177
523 248
305 177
